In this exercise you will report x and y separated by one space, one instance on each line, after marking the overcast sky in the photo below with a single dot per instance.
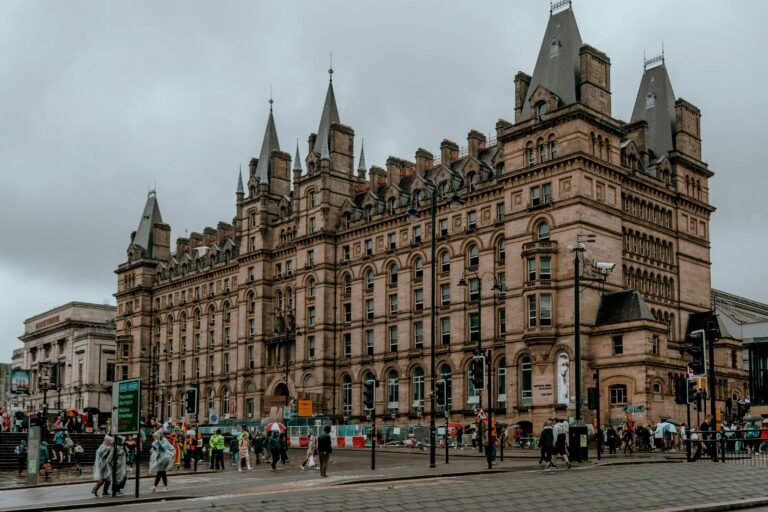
100 101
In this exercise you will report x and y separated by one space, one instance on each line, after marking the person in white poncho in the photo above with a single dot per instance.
100 467
162 455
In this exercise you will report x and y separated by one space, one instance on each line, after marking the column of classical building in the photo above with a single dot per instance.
322 281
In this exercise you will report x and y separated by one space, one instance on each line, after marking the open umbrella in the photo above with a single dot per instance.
455 425
753 419
275 427
674 422
667 427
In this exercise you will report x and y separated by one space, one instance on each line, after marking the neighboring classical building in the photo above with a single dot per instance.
323 280
71 351
746 320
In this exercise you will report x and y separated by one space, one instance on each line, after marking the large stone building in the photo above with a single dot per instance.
323 279
70 351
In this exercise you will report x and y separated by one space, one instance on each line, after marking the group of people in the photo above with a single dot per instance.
271 448
63 450
553 442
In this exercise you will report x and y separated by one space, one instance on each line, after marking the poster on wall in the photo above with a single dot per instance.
20 381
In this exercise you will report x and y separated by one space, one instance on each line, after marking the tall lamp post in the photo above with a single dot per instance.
153 370
289 334
489 382
413 215
603 270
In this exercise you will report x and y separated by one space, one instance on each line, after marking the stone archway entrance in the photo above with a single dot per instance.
278 399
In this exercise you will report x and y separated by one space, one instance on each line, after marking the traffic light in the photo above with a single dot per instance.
698 349
369 395
477 370
190 399
681 393
690 391
440 393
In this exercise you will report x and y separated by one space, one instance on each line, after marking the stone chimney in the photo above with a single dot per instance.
424 161
687 129
522 82
475 142
252 166
394 170
449 151
595 87
378 176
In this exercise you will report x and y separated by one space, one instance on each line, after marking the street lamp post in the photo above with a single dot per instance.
291 332
414 215
489 381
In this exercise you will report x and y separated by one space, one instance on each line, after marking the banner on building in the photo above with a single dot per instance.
20 381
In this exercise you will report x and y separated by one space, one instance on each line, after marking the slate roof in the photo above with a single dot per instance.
151 215
623 306
739 309
269 144
558 73
706 320
655 103
330 115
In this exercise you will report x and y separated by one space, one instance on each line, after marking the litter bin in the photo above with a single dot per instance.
578 442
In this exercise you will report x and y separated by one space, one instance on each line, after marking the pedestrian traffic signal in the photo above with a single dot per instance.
592 399
477 371
369 395
690 391
190 400
440 393
698 349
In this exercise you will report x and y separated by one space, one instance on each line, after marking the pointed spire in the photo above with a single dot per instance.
149 217
297 158
558 63
361 165
269 144
240 189
330 115
655 103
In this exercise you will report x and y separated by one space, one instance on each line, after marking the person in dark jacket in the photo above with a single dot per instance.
325 449
612 439
275 447
546 443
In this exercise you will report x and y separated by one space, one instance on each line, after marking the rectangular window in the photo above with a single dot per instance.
418 299
545 315
443 225
502 316
311 348
312 199
110 372
418 334
250 273
252 243
445 330
210 339
345 253
501 281
472 220
251 327
369 309
311 316
474 289
500 213
618 345
125 349
226 363
279 270
310 257
369 247
474 327
618 395
545 268
531 269
655 347
369 342
417 234
393 304
347 313
393 338
445 294
183 370
531 156
226 284
196 365
541 194
391 241
347 344
210 366
311 224
251 357
532 316
226 335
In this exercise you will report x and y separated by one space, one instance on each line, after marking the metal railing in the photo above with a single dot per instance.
730 446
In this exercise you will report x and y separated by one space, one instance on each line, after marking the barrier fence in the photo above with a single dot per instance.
745 447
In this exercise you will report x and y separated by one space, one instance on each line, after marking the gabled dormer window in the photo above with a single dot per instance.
650 100
554 48
392 205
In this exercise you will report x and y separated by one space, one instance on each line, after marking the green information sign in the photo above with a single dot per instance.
128 406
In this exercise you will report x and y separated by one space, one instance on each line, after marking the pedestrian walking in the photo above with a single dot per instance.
325 449
259 447
216 445
244 447
58 446
309 461
162 456
546 442
68 447
100 463
275 447
283 448
21 455
78 452
45 462
628 436
460 438
130 451
234 451
560 432
612 437
119 466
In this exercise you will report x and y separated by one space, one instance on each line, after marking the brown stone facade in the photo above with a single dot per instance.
324 281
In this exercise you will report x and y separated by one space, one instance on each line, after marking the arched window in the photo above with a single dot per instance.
369 279
473 256
393 274
526 381
445 262
445 374
211 399
650 100
392 205
157 329
346 395
347 284
197 319
418 268
445 189
346 219
311 288
417 198
552 149
227 312
393 392
279 300
618 394
472 181
289 299
541 110
500 250
417 384
542 231
368 212
251 302
225 402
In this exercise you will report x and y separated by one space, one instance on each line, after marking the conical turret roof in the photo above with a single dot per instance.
269 144
330 115
149 217
655 103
